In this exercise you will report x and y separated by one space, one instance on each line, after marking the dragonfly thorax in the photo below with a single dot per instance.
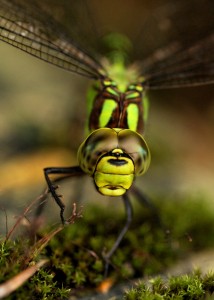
114 108
113 157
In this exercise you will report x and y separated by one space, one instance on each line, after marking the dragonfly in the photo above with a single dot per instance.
115 151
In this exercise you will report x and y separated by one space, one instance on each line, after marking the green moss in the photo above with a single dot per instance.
75 253
189 287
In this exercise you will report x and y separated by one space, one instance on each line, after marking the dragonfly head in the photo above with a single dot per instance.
113 157
114 173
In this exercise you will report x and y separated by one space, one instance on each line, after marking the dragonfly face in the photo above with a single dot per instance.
114 157
114 173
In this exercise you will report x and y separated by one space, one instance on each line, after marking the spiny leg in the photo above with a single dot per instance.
68 172
44 194
129 215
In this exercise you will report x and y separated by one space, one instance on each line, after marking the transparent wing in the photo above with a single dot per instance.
176 67
28 27
185 53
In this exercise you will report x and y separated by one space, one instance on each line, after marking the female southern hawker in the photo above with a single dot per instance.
115 151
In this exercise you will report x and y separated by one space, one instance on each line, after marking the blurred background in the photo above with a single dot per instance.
43 108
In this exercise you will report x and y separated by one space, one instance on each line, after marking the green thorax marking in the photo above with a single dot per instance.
115 102
114 108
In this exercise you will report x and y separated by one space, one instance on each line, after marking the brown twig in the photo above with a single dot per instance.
14 283
38 246
26 211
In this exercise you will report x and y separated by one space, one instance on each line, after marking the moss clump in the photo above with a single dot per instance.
75 252
189 287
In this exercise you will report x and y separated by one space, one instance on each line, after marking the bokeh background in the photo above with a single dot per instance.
43 108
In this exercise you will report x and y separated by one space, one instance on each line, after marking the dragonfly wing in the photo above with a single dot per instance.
177 45
28 27
175 66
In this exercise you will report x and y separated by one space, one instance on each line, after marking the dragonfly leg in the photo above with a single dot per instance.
67 172
129 215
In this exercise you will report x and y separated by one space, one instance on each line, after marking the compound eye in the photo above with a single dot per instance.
99 142
135 145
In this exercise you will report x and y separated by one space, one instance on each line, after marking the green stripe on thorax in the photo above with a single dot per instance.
116 88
